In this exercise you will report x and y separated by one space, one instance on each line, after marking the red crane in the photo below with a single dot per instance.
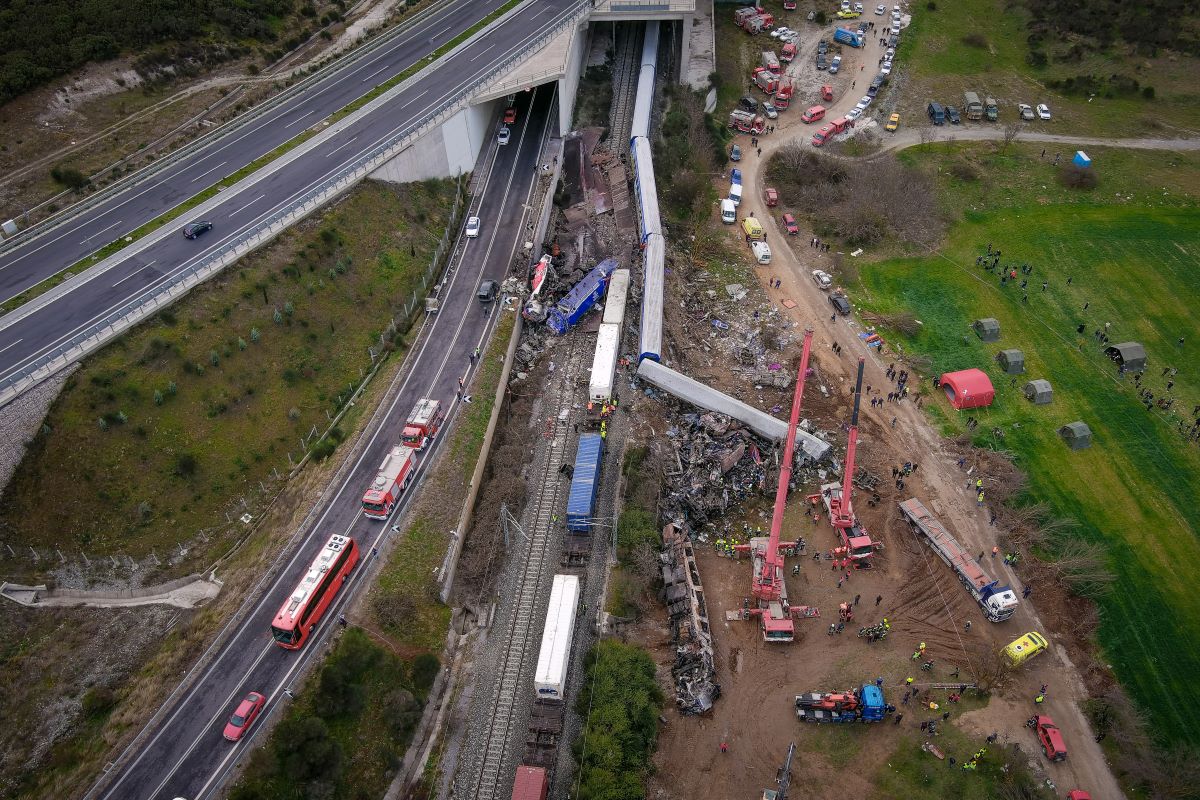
856 542
767 585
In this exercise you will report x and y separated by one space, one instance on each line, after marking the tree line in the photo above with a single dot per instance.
41 40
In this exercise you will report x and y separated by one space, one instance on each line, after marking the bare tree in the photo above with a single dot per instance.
1011 131
1082 566
928 134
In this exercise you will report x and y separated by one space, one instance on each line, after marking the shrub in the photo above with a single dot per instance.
185 465
425 669
254 335
977 40
1074 176
1148 92
98 702
635 526
69 177
241 343
305 750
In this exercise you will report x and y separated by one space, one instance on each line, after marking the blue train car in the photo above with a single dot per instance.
581 298
585 481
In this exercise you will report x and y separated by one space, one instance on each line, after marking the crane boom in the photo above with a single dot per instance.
841 508
766 583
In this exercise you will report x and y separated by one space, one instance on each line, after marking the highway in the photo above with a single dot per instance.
183 753
46 329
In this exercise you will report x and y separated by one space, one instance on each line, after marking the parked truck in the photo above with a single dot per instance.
998 601
783 95
581 298
393 477
585 480
788 53
770 61
864 704
847 36
423 423
746 122
991 110
829 130
554 658
974 108
766 80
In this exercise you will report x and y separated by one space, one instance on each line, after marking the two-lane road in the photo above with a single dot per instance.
50 328
185 755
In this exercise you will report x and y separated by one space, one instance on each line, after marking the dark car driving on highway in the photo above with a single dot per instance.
194 229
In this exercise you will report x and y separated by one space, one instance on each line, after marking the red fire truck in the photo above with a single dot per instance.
395 473
423 423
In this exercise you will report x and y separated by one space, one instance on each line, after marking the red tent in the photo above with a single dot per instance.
968 388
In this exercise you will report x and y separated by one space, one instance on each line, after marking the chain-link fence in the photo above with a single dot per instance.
151 300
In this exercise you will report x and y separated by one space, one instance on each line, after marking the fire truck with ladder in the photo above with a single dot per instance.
395 474
767 585
422 424
856 543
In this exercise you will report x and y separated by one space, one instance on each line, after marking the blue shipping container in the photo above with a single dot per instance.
581 298
585 481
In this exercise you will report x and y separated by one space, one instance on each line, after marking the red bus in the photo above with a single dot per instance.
325 576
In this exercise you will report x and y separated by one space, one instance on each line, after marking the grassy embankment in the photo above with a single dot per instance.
983 45
166 429
1130 249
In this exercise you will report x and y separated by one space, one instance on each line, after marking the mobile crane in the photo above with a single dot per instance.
767 587
856 543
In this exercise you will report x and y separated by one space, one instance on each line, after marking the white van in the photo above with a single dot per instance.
735 194
728 211
761 251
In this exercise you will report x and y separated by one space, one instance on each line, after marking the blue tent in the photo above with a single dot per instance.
1081 159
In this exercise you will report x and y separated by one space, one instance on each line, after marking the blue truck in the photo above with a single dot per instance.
585 480
581 298
847 36
864 704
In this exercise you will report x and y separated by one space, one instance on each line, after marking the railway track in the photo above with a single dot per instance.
506 712
625 82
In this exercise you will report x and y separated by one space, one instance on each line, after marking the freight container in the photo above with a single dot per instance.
530 784
581 501
550 680
604 363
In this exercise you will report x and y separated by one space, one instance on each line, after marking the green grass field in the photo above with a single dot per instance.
942 66
164 430
1134 263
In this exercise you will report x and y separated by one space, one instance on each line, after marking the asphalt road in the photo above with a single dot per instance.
185 755
45 330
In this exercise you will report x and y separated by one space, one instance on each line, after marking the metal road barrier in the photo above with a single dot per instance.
166 160
152 300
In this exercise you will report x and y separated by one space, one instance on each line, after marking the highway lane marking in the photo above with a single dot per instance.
340 146
415 99
376 72
14 344
252 202
135 272
201 175
88 241
299 119
480 54
443 30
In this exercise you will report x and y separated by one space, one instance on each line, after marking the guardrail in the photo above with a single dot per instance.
152 300
339 63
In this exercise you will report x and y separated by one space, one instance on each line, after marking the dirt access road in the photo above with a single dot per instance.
913 438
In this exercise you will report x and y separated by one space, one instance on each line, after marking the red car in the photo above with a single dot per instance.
510 115
789 224
247 711
1050 738
789 5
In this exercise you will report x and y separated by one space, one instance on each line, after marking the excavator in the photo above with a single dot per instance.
769 593
856 543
